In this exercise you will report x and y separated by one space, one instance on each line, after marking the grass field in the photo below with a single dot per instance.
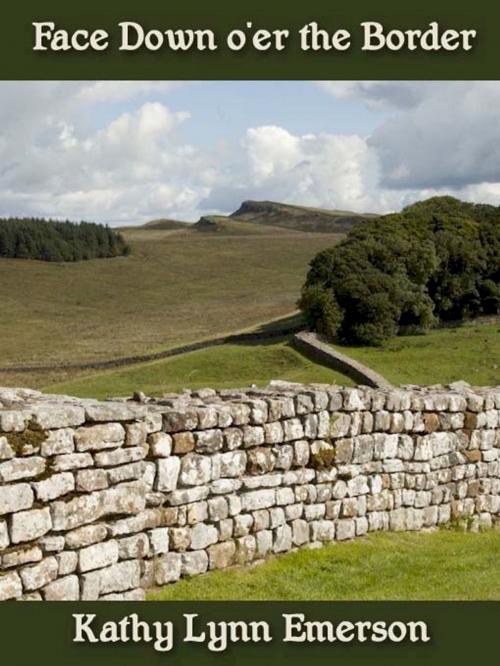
176 287
220 367
469 352
443 565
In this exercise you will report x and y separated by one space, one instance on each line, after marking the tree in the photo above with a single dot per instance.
436 260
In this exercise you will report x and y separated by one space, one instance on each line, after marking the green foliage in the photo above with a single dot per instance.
48 240
438 260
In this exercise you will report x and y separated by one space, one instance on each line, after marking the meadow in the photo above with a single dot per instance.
226 366
176 287
470 352
442 565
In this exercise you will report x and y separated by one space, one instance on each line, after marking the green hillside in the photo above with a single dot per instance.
174 288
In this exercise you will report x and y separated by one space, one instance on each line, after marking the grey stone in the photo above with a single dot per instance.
67 562
69 461
98 556
86 535
134 547
15 498
38 575
76 512
282 539
19 556
203 536
194 563
258 499
10 586
6 451
168 473
189 495
60 416
88 480
63 589
159 540
160 444
130 472
196 470
167 569
97 437
55 486
111 411
120 456
116 578
21 468
221 555
58 442
29 525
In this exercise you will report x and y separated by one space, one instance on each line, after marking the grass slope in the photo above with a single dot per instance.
469 352
227 225
220 367
176 287
444 565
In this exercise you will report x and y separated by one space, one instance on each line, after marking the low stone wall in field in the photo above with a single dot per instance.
102 500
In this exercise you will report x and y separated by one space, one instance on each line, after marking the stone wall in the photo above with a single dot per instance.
101 500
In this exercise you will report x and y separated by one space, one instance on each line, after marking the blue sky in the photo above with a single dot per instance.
128 152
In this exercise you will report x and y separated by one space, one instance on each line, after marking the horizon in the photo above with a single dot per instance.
126 153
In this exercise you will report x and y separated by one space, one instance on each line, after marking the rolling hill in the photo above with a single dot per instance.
254 216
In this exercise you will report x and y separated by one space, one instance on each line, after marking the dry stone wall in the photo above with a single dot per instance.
102 500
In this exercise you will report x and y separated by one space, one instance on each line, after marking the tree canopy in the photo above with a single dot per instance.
49 240
437 260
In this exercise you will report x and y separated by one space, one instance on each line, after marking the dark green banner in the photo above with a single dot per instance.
457 633
318 39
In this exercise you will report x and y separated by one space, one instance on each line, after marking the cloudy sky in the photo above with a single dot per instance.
128 152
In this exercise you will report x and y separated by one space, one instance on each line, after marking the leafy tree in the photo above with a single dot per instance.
434 261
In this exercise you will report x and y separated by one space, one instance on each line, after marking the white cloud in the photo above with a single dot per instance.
134 165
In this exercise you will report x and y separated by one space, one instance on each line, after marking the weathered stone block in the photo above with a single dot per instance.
167 569
69 461
86 535
133 547
55 486
168 473
175 421
120 456
10 586
37 576
76 512
98 556
159 540
221 555
15 498
88 480
97 437
194 563
160 444
63 589
203 536
183 442
29 525
195 470
116 578
21 468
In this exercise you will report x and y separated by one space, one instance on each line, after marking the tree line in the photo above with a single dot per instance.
50 240
437 260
